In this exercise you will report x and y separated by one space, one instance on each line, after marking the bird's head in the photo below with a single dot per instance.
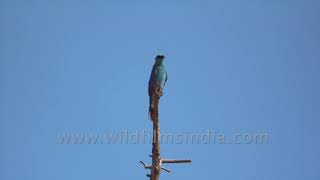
159 59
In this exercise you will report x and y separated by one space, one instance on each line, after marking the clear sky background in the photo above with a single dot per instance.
242 66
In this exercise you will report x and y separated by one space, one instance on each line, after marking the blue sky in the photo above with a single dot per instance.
234 67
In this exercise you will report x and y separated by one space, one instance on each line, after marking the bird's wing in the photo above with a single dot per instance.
166 76
152 79
165 79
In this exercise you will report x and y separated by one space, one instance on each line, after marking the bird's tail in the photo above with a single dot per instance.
150 108
153 106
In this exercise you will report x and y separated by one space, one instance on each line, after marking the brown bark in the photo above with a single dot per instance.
156 158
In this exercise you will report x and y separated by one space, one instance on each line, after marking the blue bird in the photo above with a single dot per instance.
158 79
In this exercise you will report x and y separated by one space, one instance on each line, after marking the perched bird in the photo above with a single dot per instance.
158 79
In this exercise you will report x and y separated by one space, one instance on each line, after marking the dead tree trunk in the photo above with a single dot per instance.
156 158
157 161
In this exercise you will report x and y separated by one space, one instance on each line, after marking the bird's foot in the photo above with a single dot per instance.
159 92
